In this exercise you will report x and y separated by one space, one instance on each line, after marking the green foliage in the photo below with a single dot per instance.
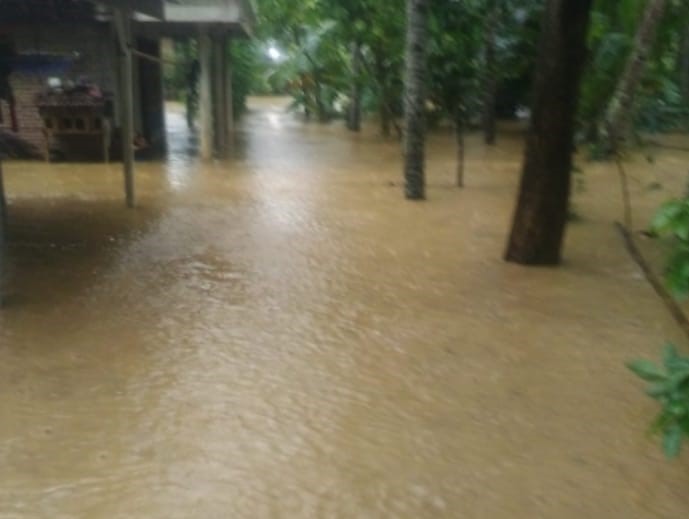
669 385
660 105
247 73
176 76
317 37
672 221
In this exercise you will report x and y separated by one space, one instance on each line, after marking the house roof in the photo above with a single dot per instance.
183 17
154 8
155 17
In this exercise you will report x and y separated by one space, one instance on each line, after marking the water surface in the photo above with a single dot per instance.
281 335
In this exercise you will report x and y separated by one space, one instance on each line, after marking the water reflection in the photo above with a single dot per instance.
182 148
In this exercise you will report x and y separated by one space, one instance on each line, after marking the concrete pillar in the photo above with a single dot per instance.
3 231
136 82
122 19
219 95
229 96
152 96
3 209
206 95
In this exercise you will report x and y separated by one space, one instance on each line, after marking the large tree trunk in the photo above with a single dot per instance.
354 116
490 77
541 215
620 114
414 100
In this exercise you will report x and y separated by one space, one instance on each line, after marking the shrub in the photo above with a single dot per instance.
669 385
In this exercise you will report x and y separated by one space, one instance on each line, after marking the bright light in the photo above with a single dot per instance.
274 53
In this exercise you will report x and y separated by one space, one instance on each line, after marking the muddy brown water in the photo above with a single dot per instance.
281 335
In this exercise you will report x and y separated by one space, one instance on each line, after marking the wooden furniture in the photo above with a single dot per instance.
74 115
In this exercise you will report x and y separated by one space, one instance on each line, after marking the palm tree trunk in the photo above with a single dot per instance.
619 118
354 116
414 100
490 79
541 214
459 136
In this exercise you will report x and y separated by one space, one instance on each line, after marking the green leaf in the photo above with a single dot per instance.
658 390
682 229
665 218
647 370
684 424
677 409
669 355
659 424
672 440
677 379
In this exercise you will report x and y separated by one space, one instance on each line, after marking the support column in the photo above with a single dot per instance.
152 95
3 209
206 95
228 114
122 19
219 97
3 231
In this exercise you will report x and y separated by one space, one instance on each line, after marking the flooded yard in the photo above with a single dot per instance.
282 335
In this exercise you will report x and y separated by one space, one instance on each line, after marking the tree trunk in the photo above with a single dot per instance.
384 118
459 135
304 87
619 118
414 100
490 79
318 97
541 214
383 108
354 116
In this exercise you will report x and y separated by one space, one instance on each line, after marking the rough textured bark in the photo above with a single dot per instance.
459 136
619 118
490 78
414 100
541 214
354 116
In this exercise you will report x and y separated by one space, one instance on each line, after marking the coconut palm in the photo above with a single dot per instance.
414 99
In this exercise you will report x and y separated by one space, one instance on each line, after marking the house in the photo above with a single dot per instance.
109 52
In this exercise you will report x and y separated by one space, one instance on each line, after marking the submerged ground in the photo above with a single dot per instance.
282 335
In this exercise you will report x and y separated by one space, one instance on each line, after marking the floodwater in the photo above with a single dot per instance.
281 335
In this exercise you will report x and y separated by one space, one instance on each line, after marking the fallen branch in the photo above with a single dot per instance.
652 278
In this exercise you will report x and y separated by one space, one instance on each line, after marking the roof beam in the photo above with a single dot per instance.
153 8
